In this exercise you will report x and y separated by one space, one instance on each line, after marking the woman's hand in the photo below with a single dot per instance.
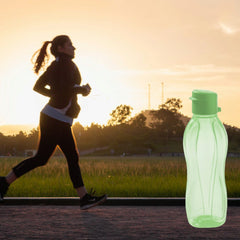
87 90
84 90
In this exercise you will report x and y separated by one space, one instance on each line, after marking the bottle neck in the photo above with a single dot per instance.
205 116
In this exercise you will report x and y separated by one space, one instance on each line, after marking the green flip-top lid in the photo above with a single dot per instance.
204 102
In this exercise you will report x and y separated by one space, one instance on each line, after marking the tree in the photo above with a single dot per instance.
78 130
32 138
20 141
139 121
168 122
120 115
172 104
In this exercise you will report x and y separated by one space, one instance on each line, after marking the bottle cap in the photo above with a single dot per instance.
204 102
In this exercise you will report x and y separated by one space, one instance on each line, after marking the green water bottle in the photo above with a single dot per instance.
205 144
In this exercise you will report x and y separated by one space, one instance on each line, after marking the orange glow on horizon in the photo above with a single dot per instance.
120 50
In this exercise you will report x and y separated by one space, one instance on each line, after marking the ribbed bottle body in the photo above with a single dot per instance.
205 144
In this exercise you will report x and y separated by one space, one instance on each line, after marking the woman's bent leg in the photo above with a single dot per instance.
46 146
45 150
11 177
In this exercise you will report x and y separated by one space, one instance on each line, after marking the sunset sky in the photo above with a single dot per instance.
122 46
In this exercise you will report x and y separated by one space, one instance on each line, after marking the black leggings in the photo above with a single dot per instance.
53 133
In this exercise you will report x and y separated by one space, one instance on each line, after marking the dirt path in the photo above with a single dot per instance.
108 222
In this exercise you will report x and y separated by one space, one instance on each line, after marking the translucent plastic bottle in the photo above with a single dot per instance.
205 144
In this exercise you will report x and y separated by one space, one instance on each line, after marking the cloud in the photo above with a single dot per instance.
227 29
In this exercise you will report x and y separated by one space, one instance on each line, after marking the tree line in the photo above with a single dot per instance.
148 132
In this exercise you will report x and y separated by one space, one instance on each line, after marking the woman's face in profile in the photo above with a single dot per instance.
67 48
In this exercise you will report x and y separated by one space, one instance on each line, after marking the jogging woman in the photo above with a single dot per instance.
61 82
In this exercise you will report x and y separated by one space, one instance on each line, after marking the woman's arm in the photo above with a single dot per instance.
42 82
84 90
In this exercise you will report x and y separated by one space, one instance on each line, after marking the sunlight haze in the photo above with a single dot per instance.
121 47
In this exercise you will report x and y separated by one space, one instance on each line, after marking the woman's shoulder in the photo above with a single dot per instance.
52 65
60 66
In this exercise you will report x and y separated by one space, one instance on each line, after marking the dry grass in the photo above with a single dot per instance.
116 176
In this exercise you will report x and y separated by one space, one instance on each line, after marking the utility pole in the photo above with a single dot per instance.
162 93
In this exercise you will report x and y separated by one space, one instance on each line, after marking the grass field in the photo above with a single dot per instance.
116 176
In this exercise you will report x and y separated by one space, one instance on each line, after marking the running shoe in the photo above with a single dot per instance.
89 201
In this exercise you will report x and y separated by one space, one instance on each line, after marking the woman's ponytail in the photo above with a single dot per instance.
42 58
